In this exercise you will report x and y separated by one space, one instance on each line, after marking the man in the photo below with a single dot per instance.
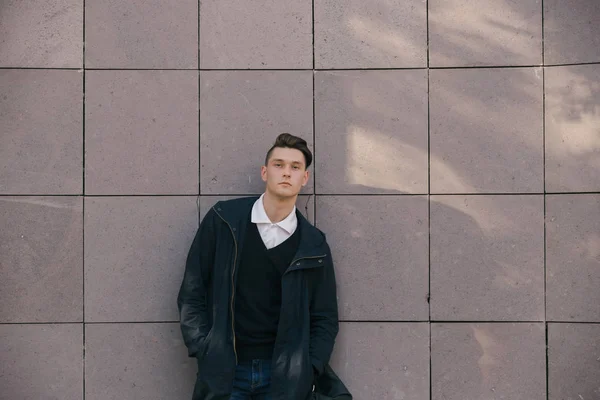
258 304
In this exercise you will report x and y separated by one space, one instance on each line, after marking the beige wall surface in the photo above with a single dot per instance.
456 175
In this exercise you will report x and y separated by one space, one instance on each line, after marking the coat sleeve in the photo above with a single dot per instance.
194 316
324 323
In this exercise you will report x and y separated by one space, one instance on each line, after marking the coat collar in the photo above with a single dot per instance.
236 213
259 216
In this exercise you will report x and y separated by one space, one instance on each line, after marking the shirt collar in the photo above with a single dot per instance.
259 216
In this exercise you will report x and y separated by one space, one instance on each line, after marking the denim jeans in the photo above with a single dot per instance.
252 381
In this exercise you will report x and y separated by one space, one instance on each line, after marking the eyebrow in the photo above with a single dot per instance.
281 160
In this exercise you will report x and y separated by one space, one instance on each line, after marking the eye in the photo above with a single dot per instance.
278 164
296 167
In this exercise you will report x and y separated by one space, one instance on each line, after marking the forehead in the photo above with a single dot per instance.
287 154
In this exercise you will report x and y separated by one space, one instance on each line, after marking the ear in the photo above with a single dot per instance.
263 173
305 180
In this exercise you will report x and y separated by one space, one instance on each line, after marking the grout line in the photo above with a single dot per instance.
43 68
83 220
42 323
147 195
302 194
544 174
199 138
545 194
143 69
428 167
432 321
314 135
341 320
547 363
308 69
429 202
83 291
543 42
314 132
313 38
571 64
199 119
40 195
198 3
130 322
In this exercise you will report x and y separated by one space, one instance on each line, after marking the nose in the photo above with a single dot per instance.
287 171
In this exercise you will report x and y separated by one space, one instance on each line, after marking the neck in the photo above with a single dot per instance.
278 208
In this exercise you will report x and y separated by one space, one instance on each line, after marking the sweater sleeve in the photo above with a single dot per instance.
194 316
324 323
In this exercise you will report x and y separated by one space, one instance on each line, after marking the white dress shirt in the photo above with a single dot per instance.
272 234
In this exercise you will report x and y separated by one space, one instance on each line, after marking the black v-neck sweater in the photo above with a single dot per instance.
258 293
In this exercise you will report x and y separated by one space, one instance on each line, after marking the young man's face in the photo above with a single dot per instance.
285 173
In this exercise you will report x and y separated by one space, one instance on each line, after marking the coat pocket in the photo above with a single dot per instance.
203 348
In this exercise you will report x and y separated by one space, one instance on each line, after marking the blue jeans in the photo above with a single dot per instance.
252 381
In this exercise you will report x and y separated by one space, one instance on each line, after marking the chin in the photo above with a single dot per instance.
285 192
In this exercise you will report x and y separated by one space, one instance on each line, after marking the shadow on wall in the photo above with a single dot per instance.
486 136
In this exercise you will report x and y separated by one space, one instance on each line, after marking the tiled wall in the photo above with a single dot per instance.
457 176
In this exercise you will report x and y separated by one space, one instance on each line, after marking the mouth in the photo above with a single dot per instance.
285 184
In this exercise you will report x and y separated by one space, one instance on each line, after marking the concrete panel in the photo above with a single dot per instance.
41 362
572 135
141 34
241 114
383 360
137 361
141 132
258 35
482 33
487 258
380 251
486 130
41 259
488 361
370 34
135 252
573 257
41 34
571 31
573 361
42 131
371 127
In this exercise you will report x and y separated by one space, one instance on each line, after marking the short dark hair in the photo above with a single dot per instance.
286 140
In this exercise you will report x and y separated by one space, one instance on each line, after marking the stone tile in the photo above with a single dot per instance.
234 140
41 34
135 251
487 258
573 257
572 136
41 362
267 34
571 31
141 34
372 127
304 203
486 130
488 361
42 132
573 361
493 32
41 259
370 34
141 132
383 360
380 250
137 361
